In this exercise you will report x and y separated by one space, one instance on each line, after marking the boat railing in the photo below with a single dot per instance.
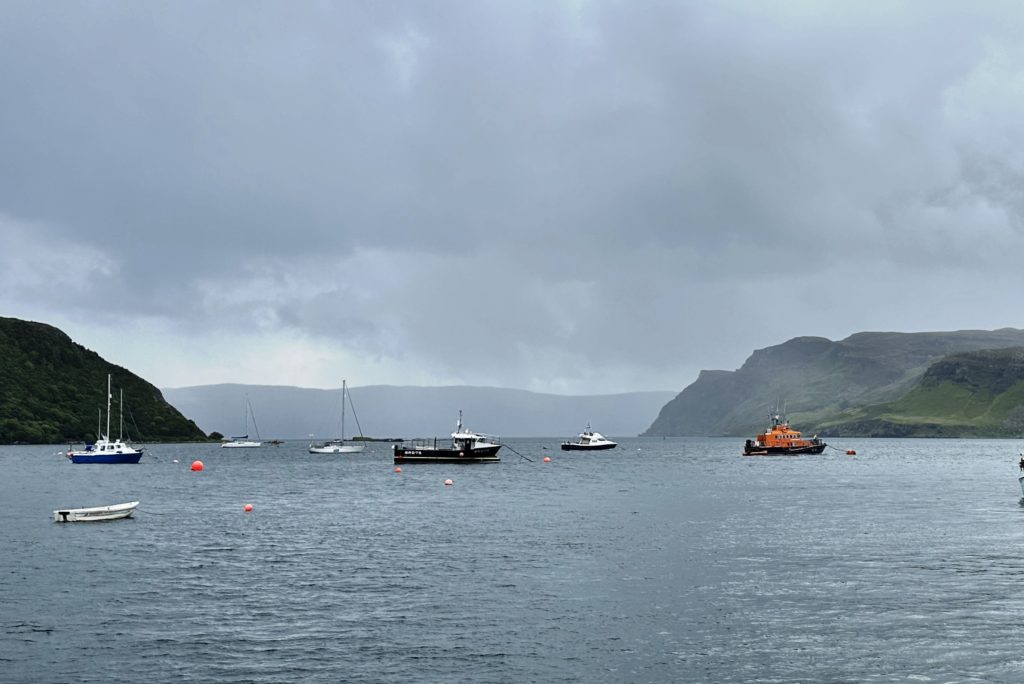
446 442
421 443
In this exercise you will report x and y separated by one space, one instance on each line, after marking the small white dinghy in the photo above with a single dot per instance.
98 513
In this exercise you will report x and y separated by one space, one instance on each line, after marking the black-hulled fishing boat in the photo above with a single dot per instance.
465 446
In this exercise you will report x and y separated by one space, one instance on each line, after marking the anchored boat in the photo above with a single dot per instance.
338 446
465 447
96 514
103 450
782 440
243 441
589 441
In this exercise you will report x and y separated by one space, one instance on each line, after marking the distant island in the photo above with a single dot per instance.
51 388
967 383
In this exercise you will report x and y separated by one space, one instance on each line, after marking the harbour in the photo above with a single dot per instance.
662 560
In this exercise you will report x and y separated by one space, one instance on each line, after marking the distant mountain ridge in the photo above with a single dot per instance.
51 388
288 412
817 381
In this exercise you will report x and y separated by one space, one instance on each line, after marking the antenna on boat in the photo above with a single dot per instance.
107 436
458 425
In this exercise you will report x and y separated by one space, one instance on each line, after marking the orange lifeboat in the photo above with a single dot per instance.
781 439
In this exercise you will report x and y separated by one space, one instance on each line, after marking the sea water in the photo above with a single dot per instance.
662 560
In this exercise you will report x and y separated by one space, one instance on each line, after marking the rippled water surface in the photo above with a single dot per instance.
664 560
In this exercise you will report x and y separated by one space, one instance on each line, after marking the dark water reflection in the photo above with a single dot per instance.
673 560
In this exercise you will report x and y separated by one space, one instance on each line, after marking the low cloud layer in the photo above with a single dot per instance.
576 197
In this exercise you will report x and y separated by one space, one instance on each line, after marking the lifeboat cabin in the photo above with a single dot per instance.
780 439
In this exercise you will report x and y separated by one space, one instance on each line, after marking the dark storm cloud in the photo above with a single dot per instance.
594 195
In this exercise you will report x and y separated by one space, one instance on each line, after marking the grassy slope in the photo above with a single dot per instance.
50 389
970 394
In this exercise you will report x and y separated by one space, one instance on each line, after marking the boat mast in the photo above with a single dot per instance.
344 389
254 425
120 427
107 436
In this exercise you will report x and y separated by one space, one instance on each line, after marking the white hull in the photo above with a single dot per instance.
241 445
337 449
95 514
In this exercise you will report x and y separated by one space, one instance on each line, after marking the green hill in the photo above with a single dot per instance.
51 388
972 394
820 383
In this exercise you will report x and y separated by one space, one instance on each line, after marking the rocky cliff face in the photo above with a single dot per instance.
815 380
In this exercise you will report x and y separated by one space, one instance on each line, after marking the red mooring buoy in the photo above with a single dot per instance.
248 508
547 459
851 452
197 466
448 483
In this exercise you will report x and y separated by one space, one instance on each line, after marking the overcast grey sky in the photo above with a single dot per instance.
575 197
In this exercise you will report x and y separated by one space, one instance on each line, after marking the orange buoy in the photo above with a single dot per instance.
248 508
547 459
448 483
398 469
197 465
851 452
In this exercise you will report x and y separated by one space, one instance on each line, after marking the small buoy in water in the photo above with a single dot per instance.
248 508
851 452
174 461
448 483
197 465
398 469
547 459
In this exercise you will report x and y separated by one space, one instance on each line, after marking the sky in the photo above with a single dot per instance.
571 197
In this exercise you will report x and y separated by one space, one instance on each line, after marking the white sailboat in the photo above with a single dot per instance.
243 441
338 446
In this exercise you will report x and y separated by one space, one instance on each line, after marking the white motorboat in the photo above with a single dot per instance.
338 446
589 441
96 514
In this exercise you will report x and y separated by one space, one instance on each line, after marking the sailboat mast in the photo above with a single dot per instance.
107 436
344 389
120 427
